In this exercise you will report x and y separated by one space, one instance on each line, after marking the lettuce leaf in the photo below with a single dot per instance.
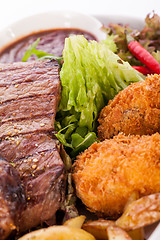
91 75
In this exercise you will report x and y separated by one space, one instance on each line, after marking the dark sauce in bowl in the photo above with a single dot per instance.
51 41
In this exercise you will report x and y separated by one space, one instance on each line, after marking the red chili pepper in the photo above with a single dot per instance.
143 70
144 56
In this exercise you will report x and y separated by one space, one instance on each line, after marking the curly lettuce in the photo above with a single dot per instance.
91 75
148 37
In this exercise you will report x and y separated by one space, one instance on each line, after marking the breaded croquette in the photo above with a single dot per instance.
135 110
107 173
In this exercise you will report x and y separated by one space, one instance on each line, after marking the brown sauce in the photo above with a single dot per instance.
51 41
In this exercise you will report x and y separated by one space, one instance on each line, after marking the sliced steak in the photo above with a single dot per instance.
24 90
27 108
22 72
18 101
37 124
22 146
12 199
29 95
37 159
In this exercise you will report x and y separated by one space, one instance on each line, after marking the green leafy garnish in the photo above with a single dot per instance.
30 50
80 144
41 55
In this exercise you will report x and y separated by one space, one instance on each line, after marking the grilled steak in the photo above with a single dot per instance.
12 199
29 95
37 159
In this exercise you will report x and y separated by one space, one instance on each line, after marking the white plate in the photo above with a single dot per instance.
68 19
134 22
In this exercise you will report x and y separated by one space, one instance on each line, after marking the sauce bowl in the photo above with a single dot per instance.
51 20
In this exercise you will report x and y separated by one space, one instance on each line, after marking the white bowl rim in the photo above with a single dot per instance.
48 21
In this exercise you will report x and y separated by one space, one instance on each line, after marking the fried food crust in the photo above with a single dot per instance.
135 110
108 172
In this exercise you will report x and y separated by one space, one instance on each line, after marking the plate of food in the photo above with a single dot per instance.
80 110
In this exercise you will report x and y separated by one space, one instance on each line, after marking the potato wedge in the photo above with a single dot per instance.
133 197
140 213
58 233
76 222
98 228
116 233
137 234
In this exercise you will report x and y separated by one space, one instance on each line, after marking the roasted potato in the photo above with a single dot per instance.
133 197
58 233
116 233
137 234
76 222
98 228
140 213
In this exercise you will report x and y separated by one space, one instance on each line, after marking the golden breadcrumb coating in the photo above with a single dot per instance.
108 172
135 110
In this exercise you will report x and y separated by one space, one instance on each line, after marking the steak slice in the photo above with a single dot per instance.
37 124
29 95
27 108
12 199
42 172
24 90
28 102
23 146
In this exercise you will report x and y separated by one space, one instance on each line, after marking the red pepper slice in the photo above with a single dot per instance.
144 56
143 70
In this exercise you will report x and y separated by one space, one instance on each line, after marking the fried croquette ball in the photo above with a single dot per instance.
135 110
108 172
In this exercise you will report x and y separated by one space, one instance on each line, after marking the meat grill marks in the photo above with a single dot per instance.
23 72
27 108
24 90
29 95
12 199
22 146
40 124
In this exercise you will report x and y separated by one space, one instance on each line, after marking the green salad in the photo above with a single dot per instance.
91 74
148 37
